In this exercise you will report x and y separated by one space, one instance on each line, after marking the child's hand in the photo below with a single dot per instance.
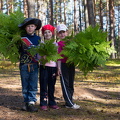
59 72
44 57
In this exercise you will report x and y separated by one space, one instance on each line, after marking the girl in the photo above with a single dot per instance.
48 76
66 70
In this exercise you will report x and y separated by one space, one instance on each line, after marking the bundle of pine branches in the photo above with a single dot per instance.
88 49
10 35
47 49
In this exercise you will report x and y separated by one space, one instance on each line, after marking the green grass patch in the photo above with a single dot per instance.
115 62
7 65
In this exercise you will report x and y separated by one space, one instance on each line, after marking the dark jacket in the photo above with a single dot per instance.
30 41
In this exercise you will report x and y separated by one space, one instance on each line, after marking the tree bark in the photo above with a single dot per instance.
1 5
86 14
101 14
112 24
51 12
75 17
64 12
80 22
118 53
31 8
25 8
91 13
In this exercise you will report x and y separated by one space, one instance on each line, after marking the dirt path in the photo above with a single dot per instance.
98 99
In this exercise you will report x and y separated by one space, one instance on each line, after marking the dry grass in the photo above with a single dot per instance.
97 94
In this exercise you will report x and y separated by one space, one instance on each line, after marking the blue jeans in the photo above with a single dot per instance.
29 80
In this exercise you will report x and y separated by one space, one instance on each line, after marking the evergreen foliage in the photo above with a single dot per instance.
47 49
10 35
88 49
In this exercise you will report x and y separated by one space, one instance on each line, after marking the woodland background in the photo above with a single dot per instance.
98 93
76 14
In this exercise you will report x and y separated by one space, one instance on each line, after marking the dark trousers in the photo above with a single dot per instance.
67 82
47 85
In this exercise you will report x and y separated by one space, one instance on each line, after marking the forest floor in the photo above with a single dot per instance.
98 94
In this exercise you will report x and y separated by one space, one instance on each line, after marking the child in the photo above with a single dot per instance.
66 70
28 64
48 76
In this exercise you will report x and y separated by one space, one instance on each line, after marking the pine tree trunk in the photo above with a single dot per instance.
11 6
48 12
56 13
119 20
107 15
118 31
51 12
41 11
64 12
80 22
91 13
31 8
86 14
112 25
25 8
94 8
75 17
101 14
1 5
7 7
60 11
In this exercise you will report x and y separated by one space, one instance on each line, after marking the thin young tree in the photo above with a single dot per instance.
107 14
75 17
64 12
7 7
60 2
56 13
80 17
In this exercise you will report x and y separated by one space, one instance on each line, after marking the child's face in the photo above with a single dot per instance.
62 34
47 34
30 29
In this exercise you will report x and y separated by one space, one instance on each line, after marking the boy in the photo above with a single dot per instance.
66 70
28 64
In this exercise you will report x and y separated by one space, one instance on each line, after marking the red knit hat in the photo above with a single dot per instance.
48 27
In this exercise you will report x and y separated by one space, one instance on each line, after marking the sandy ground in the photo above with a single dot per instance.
11 97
